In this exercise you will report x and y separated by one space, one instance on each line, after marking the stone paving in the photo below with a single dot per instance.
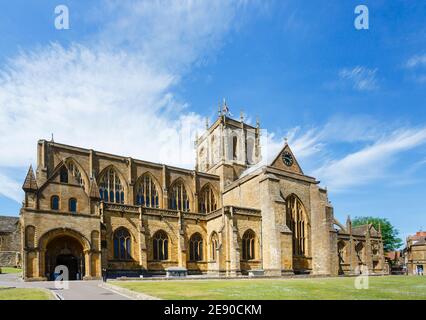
78 290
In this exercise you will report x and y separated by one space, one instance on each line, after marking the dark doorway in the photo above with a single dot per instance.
70 262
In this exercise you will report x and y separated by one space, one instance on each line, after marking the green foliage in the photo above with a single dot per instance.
391 242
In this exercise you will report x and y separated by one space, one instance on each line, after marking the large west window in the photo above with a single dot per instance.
160 246
122 244
178 197
110 187
297 222
146 192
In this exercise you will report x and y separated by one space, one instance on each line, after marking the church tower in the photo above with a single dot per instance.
228 147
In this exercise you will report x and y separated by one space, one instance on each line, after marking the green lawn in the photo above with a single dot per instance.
24 294
10 270
385 287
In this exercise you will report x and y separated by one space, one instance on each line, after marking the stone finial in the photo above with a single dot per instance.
30 183
349 223
94 189
241 116
285 140
207 123
257 122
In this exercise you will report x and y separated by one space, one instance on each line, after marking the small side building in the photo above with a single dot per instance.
415 253
359 247
10 242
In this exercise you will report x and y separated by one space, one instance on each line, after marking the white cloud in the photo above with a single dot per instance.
416 61
361 78
121 101
370 163
11 188
416 66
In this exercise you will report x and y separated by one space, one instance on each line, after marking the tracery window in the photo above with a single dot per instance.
178 197
73 169
248 242
207 200
146 192
122 244
160 245
196 247
110 187
296 221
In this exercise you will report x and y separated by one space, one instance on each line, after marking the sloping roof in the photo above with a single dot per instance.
30 183
360 230
8 224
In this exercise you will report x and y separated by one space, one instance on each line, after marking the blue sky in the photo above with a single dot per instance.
131 75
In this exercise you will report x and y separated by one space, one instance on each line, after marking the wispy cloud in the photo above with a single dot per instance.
416 66
113 92
10 188
347 152
416 61
371 162
360 78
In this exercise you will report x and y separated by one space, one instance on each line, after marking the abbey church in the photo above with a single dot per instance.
232 215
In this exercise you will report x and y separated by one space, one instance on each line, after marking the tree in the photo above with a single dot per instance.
391 242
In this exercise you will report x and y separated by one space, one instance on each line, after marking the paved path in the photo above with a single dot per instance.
78 290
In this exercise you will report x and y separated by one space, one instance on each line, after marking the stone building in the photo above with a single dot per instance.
10 242
415 253
91 210
359 246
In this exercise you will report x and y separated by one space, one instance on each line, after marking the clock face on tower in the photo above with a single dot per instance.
287 158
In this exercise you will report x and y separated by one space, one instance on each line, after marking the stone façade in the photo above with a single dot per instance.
234 213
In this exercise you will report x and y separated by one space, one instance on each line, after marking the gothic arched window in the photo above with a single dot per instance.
207 200
178 198
196 247
248 242
160 246
296 221
146 192
214 242
122 244
54 203
110 187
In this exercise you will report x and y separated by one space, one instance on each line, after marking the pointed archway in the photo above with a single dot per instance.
64 246
65 251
